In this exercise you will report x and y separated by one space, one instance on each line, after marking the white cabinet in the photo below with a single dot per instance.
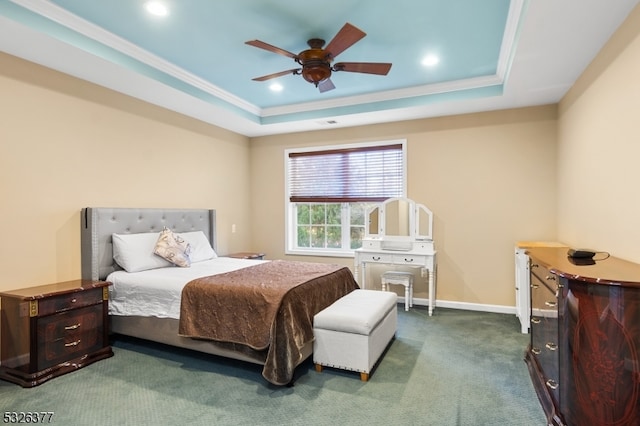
523 307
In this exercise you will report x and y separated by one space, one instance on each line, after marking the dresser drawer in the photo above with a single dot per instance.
544 301
541 275
65 335
544 327
65 302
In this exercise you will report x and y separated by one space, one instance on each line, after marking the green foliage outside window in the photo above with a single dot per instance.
320 225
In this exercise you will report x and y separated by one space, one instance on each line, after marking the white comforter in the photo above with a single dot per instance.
156 292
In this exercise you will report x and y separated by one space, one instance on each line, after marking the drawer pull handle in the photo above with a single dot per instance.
534 286
72 327
552 384
76 343
551 346
376 258
408 260
535 320
535 351
551 304
74 300
550 278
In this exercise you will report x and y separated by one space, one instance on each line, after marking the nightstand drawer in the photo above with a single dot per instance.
65 302
65 335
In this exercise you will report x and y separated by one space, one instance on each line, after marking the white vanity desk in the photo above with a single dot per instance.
399 233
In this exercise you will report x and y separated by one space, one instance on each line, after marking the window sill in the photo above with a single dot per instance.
321 253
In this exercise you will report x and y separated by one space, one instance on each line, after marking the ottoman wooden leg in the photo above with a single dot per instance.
318 368
364 377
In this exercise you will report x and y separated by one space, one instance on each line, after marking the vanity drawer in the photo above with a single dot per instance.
371 244
65 302
377 257
400 259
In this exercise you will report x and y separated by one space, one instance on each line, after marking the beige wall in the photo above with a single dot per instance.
489 179
599 150
67 144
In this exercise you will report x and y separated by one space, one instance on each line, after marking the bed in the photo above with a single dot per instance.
249 310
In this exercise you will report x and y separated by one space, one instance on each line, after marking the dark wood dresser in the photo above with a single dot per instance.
53 329
583 357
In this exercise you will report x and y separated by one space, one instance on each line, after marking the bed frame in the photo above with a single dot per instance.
98 224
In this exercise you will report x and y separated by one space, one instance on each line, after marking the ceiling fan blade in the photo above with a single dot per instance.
276 74
326 85
379 68
266 46
346 37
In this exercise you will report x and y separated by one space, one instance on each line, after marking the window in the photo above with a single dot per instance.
329 190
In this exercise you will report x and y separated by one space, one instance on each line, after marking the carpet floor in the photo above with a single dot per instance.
454 368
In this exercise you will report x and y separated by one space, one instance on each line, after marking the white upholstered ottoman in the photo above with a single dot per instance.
352 333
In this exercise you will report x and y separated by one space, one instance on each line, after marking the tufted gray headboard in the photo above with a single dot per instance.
98 223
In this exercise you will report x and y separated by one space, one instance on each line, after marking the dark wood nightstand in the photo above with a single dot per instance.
247 255
53 329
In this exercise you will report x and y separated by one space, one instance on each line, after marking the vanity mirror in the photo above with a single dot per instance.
373 227
397 217
398 222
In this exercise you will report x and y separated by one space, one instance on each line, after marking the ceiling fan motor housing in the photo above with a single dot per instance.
316 66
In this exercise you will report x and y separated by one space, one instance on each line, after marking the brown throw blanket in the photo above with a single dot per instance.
269 306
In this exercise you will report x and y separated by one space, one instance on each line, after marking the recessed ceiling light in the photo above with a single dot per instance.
156 8
430 60
276 87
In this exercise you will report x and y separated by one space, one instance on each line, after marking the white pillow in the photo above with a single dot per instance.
134 252
173 247
200 247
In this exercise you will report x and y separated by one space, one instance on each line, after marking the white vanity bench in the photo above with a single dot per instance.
399 233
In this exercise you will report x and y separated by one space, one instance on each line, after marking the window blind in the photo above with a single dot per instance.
363 174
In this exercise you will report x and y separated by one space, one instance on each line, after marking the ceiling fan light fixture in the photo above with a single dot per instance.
316 73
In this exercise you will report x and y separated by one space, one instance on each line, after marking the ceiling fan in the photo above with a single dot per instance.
315 62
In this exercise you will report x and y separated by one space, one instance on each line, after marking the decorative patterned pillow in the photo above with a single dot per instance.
173 248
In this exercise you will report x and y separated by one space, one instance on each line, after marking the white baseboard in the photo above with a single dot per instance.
498 309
